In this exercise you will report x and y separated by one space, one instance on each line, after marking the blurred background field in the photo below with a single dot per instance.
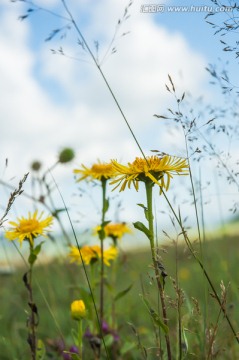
60 282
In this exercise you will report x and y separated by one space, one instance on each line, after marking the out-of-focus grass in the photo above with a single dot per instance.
60 283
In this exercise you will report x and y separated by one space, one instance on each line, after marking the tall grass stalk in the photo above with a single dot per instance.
178 218
200 242
41 291
159 278
205 307
157 333
179 315
32 321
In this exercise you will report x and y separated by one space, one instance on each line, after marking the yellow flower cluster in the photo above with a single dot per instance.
90 254
153 168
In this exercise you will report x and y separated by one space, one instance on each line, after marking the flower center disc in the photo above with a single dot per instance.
28 226
102 168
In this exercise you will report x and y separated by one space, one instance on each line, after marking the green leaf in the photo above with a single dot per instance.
158 321
41 350
105 223
57 211
123 293
106 205
154 315
37 249
34 252
32 258
141 227
185 340
101 232
146 213
142 206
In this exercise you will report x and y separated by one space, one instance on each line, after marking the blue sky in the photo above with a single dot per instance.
193 26
51 101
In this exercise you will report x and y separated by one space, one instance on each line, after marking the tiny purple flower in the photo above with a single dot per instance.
66 356
74 349
88 334
105 327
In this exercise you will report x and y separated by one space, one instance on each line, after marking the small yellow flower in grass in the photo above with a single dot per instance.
29 228
155 169
115 230
78 310
90 254
184 274
99 171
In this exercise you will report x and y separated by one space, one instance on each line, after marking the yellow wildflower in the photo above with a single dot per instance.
115 230
154 169
29 228
99 171
78 310
90 254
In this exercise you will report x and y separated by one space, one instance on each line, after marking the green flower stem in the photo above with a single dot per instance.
92 278
80 339
32 321
149 215
102 236
113 284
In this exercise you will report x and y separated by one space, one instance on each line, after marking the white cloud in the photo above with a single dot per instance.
34 125
137 74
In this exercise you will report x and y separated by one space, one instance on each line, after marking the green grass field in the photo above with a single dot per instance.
59 283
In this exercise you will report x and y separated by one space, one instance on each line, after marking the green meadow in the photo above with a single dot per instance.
58 282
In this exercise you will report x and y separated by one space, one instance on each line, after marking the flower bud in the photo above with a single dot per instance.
36 165
78 310
66 155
